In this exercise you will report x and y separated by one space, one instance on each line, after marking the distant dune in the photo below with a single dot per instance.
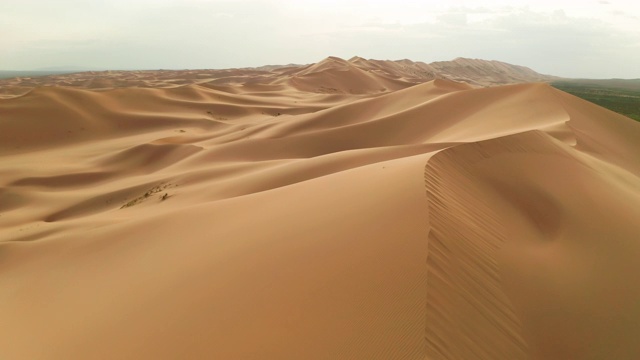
34 73
331 75
348 209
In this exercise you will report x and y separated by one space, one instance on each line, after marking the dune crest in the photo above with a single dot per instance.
350 209
332 75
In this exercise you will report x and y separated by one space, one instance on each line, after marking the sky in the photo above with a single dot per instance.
587 38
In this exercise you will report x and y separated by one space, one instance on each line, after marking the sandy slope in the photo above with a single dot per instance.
270 220
329 76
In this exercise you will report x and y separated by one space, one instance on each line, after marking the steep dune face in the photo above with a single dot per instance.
270 220
550 233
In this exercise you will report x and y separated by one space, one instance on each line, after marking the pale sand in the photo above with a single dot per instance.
332 211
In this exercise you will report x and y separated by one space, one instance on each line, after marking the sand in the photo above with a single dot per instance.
330 211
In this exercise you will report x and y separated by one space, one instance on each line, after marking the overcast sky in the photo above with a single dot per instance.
595 39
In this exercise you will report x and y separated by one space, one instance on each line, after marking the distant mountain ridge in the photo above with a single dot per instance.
8 74
488 72
356 75
476 72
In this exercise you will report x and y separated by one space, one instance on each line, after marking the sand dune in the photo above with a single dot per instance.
329 76
263 215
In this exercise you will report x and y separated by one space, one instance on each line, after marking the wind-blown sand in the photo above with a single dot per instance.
323 212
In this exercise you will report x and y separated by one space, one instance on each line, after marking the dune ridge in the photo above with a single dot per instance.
331 75
305 212
535 225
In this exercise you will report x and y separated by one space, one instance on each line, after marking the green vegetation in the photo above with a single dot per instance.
621 96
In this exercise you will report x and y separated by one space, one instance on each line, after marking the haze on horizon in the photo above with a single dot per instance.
595 39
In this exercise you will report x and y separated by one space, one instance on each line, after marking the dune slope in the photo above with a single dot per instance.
270 220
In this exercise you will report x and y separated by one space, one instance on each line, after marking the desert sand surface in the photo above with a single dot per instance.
348 209
331 75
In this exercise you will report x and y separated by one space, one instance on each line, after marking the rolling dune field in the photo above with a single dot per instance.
349 209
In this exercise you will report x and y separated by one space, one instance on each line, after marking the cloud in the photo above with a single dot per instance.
550 42
453 19
574 41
